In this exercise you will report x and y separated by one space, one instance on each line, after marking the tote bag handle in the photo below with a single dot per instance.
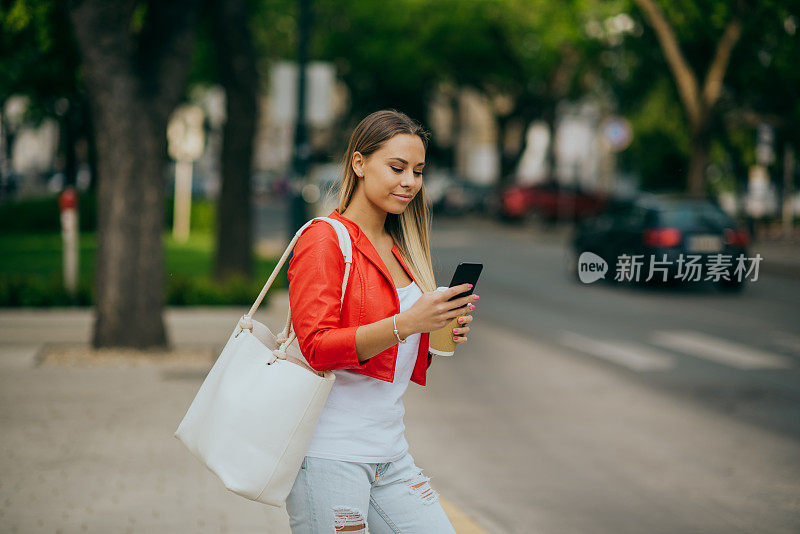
287 336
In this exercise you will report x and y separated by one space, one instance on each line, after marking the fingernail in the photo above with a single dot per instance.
455 330
470 286
471 307
476 297
461 321
455 338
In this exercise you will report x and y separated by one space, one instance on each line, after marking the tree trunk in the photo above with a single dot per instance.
89 131
698 161
549 116
133 82
510 160
502 132
129 262
237 67
66 141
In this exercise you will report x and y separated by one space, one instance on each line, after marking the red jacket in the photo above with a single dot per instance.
327 338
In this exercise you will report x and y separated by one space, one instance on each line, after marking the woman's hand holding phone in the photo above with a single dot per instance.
433 310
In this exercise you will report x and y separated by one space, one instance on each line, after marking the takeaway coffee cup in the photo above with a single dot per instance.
441 341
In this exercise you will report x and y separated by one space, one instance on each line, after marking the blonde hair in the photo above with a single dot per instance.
411 229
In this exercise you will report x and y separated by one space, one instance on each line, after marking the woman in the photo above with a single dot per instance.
358 473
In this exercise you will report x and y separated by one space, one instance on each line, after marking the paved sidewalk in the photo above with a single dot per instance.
91 449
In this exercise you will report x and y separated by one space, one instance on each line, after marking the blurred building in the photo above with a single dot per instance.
581 156
476 151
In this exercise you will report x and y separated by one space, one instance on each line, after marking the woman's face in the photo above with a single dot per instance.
394 169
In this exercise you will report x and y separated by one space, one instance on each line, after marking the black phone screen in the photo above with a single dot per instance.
467 272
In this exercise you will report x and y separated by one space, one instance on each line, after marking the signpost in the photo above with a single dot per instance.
186 140
68 206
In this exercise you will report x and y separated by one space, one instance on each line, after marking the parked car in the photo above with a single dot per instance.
663 225
551 200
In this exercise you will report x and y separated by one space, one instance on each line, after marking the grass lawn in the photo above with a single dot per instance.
38 257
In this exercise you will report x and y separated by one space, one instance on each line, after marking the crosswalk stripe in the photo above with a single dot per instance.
719 350
787 341
631 355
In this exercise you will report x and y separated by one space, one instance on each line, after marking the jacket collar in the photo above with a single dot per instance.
362 242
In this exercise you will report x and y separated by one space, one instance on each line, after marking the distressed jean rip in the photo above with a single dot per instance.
420 486
346 519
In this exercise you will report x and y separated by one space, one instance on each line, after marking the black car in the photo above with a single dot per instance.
685 239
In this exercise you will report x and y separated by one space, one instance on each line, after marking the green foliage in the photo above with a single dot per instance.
193 291
182 290
659 151
393 54
138 18
722 177
764 79
202 218
30 273
31 290
40 255
761 84
39 56
37 215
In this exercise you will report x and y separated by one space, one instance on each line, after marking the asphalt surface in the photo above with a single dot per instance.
572 409
624 409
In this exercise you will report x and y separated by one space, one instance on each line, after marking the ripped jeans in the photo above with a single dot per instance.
334 496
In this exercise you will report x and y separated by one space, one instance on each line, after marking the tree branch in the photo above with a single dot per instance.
685 78
716 72
564 73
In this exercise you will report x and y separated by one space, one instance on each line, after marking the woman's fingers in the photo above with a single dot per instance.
469 299
465 319
458 312
459 333
456 290
463 301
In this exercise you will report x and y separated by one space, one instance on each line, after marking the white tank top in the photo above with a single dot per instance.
362 420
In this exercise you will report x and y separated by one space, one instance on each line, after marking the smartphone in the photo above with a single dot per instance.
467 272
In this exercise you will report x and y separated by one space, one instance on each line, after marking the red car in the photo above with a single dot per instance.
551 200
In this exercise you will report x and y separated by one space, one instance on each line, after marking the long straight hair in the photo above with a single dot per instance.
410 230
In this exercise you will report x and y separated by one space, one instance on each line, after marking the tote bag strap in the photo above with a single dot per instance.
287 336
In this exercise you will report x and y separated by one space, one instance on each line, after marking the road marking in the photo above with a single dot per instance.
787 341
462 523
719 350
628 354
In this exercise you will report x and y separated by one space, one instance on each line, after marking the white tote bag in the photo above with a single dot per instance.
254 416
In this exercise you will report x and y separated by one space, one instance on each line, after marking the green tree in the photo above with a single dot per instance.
235 57
759 84
763 86
698 98
135 59
524 55
40 61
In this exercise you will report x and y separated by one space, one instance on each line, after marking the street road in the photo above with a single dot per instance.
594 408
